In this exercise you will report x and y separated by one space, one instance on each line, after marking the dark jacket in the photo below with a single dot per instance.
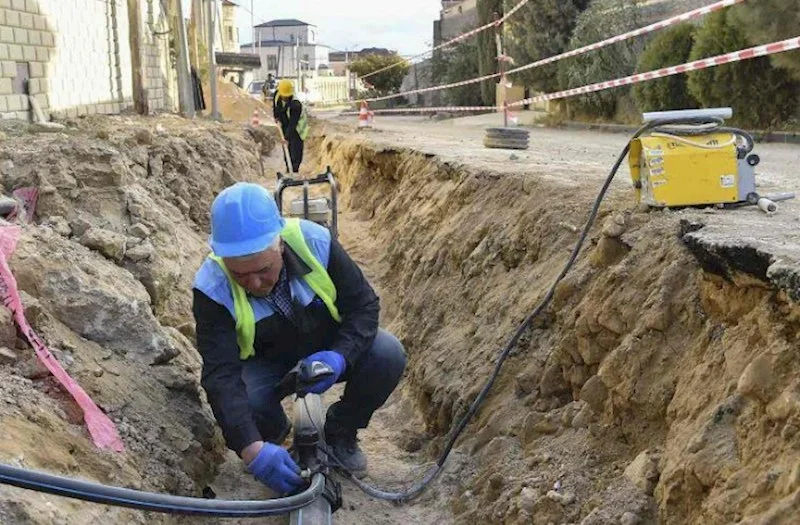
282 340
288 122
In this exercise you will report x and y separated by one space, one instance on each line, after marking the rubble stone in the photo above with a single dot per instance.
643 471
110 244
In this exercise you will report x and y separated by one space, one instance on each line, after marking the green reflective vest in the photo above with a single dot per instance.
317 279
302 122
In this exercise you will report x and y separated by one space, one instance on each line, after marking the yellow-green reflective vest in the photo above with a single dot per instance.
317 279
302 122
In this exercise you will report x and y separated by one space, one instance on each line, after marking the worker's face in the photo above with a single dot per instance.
257 273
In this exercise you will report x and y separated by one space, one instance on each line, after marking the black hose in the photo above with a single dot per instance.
418 487
164 503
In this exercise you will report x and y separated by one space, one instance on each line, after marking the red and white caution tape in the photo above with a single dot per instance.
101 429
424 110
434 88
459 38
689 15
736 56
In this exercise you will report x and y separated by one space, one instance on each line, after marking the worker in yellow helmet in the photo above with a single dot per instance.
291 115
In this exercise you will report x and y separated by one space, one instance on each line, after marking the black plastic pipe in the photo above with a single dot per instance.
164 503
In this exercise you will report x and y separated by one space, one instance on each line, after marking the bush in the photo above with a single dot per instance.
603 19
760 94
765 22
540 29
670 48
458 63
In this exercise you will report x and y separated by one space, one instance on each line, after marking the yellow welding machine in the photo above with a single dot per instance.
672 167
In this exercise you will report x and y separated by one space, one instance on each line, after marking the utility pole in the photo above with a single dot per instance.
297 62
197 29
501 60
135 38
212 61
185 91
347 69
253 26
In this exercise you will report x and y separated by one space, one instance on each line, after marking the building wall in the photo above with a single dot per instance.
453 9
230 31
321 57
306 34
317 56
338 68
458 19
77 57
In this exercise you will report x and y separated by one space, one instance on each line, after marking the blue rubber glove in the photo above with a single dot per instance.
336 361
275 468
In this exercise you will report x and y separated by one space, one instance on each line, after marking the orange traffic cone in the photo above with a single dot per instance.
254 121
364 116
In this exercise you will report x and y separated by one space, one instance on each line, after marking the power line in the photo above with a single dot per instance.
452 41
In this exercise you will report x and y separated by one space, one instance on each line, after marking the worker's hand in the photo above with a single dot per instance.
275 468
336 361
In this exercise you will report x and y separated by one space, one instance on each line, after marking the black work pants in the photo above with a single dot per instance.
368 384
295 151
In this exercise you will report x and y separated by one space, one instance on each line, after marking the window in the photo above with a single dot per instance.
230 34
23 75
272 62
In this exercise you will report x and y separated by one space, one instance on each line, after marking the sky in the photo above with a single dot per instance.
402 25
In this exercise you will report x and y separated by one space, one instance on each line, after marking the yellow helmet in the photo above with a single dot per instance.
285 88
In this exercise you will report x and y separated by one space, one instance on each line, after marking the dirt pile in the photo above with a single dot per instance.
650 391
105 273
236 104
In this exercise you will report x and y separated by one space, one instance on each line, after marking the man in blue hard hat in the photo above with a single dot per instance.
273 292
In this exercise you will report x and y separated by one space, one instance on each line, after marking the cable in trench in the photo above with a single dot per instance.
700 125
123 497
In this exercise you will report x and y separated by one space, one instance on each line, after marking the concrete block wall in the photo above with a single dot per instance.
156 57
154 80
76 55
26 47
91 70
66 49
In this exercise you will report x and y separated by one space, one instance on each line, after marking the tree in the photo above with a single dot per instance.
540 29
760 94
669 48
487 48
765 22
385 82
460 62
603 19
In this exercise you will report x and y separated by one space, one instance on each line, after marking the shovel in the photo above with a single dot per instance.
283 149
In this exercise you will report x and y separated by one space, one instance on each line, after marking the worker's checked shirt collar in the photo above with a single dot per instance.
280 298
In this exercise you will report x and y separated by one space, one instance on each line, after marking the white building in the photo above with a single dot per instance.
286 46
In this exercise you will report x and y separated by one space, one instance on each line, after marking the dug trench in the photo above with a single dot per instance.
660 385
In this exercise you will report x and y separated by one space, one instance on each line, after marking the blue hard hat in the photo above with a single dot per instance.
244 220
